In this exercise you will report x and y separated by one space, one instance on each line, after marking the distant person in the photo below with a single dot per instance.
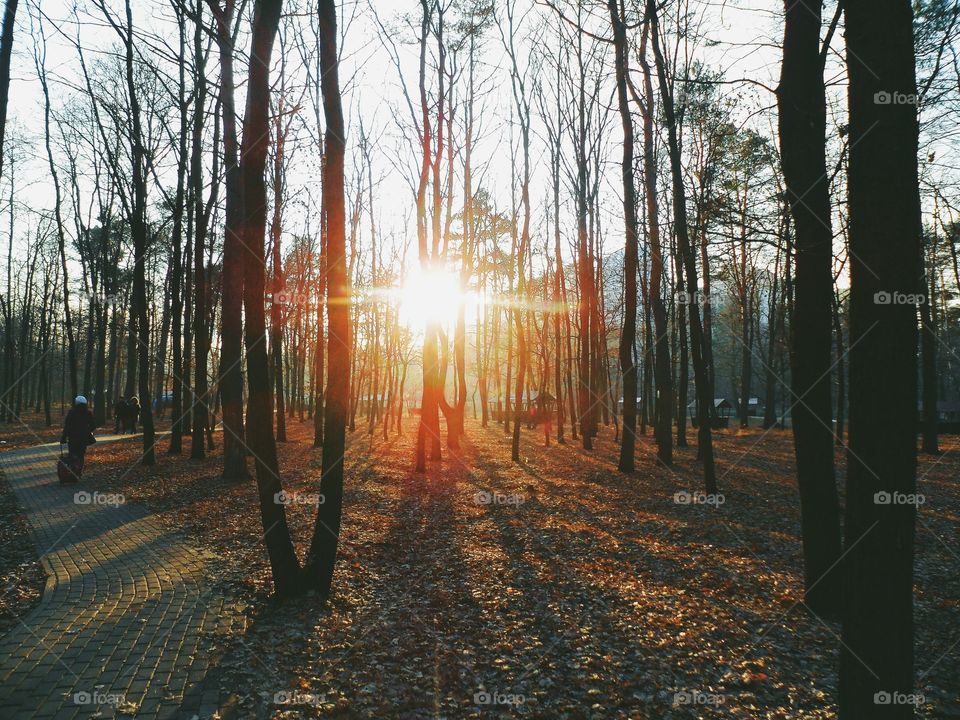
133 414
119 414
78 429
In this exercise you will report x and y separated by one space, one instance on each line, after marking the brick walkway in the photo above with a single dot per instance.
126 620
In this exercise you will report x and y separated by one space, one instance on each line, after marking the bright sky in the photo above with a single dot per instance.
742 36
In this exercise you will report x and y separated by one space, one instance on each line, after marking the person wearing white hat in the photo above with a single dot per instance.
78 428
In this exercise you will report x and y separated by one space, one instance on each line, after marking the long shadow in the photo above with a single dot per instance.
423 616
554 550
147 649
775 505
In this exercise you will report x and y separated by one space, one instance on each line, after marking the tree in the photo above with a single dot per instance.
40 55
251 229
6 47
663 409
177 249
199 410
686 259
884 204
138 227
628 337
429 427
803 117
231 377
326 533
521 103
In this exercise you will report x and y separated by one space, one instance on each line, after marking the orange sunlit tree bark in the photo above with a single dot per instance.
429 427
323 548
251 230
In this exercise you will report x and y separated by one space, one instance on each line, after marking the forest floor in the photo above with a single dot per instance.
22 577
550 588
31 429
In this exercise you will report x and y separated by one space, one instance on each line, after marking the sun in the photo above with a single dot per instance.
430 295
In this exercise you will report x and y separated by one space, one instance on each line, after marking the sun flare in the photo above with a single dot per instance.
431 295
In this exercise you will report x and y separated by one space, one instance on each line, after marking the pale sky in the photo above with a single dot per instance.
739 36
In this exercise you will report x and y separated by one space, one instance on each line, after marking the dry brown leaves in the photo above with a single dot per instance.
552 588
22 577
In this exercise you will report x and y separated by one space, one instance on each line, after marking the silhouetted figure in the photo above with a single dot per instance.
78 429
119 414
132 415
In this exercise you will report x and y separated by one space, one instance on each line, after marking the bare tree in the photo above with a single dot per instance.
6 47
628 336
686 258
802 103
323 547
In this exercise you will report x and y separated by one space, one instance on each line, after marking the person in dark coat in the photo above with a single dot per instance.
133 414
119 414
78 428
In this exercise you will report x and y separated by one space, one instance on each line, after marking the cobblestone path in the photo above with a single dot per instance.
125 625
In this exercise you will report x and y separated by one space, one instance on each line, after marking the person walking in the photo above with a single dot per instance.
77 432
119 415
133 414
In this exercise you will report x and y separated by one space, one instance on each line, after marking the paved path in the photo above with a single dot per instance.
126 619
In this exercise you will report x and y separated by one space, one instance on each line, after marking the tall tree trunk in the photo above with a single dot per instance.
770 379
697 345
559 310
40 59
884 200
628 337
683 367
6 46
176 249
318 357
231 356
251 230
323 548
200 413
429 428
663 405
841 372
928 342
802 109
278 298
139 232
522 106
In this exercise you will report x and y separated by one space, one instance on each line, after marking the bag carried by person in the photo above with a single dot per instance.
69 467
